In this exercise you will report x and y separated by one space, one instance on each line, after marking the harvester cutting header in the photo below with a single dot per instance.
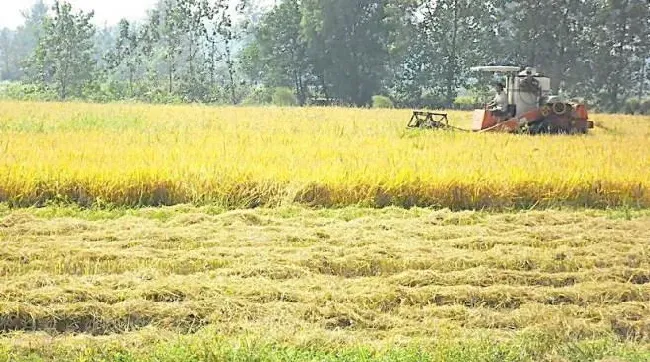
523 104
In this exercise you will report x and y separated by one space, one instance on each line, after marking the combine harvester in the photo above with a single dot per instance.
531 109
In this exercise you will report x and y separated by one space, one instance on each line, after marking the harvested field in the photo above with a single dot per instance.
187 283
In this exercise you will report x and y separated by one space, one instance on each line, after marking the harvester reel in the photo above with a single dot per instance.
429 120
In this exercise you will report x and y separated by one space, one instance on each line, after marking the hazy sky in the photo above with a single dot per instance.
106 11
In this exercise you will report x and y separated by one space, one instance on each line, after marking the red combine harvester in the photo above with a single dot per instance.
524 105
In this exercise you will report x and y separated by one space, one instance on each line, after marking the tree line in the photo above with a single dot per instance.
414 53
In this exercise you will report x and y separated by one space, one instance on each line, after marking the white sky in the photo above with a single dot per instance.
106 11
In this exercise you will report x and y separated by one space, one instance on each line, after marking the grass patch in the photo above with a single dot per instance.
203 347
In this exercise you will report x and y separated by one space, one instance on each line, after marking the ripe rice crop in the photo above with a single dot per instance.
145 155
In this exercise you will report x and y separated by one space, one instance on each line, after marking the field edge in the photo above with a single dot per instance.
206 346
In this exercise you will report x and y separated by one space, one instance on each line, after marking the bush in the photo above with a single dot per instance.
644 107
283 96
632 106
465 103
25 92
160 96
382 102
433 101
259 96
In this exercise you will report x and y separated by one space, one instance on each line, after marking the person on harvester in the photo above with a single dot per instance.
499 106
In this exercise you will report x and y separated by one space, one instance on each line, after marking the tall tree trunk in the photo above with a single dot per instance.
213 52
615 82
533 40
556 78
64 83
297 79
171 75
323 84
62 95
191 60
301 98
296 85
560 62
131 71
6 59
231 73
452 71
642 82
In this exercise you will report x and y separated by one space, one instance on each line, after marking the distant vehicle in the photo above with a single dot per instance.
527 107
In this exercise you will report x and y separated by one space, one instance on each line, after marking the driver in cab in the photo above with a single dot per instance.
499 105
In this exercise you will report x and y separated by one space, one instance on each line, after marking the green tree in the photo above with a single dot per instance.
251 64
555 39
6 58
222 36
17 45
458 34
404 81
282 49
63 57
193 13
620 49
592 48
126 55
410 74
348 46
171 34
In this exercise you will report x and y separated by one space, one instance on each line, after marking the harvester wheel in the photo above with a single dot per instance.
559 108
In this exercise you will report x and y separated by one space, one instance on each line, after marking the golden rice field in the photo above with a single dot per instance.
145 155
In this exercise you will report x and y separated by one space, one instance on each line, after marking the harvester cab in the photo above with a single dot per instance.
531 106
527 106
